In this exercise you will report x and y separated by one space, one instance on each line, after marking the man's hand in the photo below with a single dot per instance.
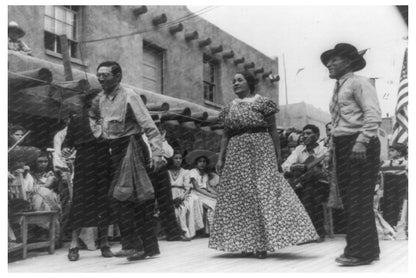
358 152
157 163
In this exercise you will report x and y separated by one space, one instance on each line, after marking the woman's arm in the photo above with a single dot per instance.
223 147
203 191
275 137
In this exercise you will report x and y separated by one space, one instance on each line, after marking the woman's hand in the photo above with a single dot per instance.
219 166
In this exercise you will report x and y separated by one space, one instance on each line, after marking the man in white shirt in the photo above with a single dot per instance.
312 188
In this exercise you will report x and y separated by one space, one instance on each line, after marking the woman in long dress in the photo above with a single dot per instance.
257 210
90 202
188 208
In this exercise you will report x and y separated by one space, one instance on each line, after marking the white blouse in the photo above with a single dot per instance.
202 180
181 180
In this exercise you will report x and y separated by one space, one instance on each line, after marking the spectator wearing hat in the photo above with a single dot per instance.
356 117
15 33
199 178
395 183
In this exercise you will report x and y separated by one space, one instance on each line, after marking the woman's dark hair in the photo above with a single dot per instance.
115 67
199 157
48 168
170 160
250 78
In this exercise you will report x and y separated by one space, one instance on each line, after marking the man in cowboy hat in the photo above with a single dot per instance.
356 117
15 42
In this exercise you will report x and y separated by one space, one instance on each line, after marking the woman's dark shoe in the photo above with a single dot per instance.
261 254
106 252
247 254
73 254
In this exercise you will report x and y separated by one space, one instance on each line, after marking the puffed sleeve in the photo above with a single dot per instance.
268 107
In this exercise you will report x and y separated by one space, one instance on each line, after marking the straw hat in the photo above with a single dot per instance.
15 28
192 156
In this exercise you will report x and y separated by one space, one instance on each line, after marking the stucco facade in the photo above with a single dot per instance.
182 60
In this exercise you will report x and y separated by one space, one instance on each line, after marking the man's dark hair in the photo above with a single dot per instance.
314 129
115 67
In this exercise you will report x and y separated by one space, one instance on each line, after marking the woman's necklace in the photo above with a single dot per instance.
175 173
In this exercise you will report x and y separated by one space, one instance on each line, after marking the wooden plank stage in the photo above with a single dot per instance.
195 256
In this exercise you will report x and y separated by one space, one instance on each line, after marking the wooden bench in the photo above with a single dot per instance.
27 218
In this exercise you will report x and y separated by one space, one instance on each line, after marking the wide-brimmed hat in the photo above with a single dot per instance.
14 27
345 50
23 154
192 156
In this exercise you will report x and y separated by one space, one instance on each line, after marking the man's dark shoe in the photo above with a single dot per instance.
73 254
124 253
141 255
106 252
351 261
376 258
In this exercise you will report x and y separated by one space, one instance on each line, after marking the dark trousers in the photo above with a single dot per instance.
312 195
135 219
395 189
136 223
163 193
356 181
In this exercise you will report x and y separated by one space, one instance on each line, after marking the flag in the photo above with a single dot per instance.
400 128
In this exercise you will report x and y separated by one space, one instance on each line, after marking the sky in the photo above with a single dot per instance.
299 34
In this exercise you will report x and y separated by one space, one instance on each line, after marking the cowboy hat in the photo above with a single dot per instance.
192 156
14 27
348 51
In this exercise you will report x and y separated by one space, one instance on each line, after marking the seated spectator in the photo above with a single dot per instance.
311 184
188 208
395 183
15 33
199 177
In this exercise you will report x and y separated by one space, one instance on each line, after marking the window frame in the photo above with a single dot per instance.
214 75
53 47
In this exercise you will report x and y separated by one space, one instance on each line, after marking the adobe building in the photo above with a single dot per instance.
168 55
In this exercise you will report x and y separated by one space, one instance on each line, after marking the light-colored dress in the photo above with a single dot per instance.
256 209
207 202
190 212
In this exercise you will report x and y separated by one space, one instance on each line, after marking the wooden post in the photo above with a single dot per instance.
65 58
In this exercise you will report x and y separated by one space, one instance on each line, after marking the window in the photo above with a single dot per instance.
61 20
152 68
211 68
